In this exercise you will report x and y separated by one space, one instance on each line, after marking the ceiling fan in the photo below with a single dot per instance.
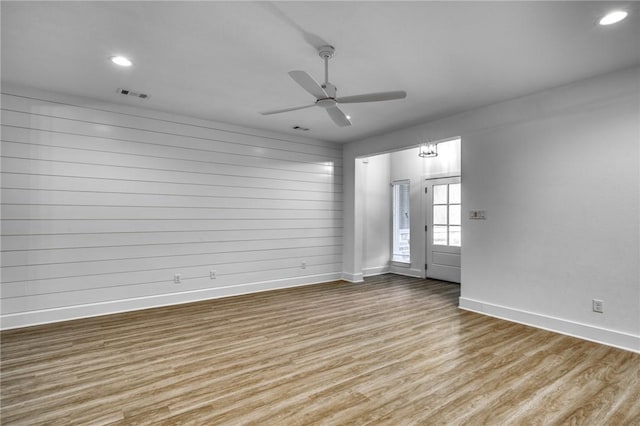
325 94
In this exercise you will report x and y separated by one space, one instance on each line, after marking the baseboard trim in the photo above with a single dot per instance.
353 278
376 270
407 272
591 333
47 316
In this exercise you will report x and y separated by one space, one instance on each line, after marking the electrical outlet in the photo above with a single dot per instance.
176 278
212 274
598 306
303 265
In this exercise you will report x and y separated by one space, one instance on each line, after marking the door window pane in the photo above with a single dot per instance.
447 214
439 194
455 236
454 214
454 193
440 215
440 235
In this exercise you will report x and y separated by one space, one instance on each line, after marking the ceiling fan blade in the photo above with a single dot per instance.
338 116
373 97
278 111
308 84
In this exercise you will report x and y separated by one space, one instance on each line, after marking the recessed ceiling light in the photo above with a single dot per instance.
613 17
121 60
348 117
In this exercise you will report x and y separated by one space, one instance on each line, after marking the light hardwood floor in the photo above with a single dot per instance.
394 350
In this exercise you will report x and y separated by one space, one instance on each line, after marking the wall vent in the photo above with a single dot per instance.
128 92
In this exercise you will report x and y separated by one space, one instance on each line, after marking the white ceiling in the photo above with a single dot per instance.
226 61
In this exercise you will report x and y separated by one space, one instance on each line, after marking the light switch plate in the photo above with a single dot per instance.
477 214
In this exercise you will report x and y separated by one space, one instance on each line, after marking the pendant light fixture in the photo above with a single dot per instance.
428 150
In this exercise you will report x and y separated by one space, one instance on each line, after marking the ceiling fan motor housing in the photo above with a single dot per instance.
326 103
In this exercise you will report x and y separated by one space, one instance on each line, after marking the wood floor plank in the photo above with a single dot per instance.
394 350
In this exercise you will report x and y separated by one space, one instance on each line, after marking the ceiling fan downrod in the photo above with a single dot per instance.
326 53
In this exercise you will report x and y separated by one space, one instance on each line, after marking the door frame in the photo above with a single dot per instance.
426 210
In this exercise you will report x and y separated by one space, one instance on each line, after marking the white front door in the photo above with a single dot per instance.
443 228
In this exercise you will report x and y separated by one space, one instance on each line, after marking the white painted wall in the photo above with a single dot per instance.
103 204
406 164
376 193
558 173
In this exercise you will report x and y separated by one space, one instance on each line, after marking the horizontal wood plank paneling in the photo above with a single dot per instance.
65 241
27 197
21 227
149 174
38 109
48 271
64 155
34 257
102 203
83 184
294 161
208 141
189 282
84 282
79 212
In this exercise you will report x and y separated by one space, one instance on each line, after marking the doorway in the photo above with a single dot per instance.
374 251
443 229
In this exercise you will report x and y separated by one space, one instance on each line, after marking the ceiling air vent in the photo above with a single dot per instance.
128 92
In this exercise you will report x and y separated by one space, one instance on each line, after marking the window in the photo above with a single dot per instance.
401 223
447 215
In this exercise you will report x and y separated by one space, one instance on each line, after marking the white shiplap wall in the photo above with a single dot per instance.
103 204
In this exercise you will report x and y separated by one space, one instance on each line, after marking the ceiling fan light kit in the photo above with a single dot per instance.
325 94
